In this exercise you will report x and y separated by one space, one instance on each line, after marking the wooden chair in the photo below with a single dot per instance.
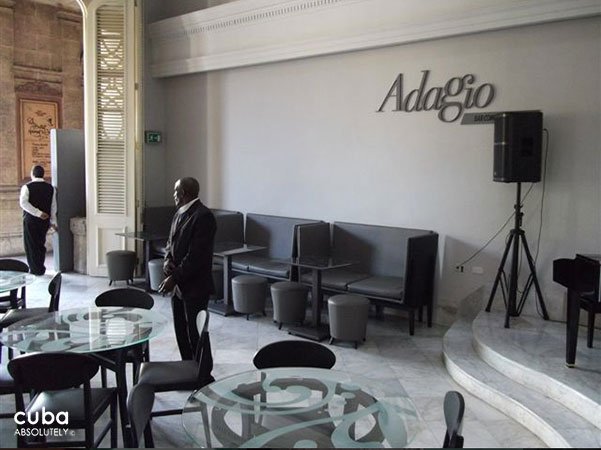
53 376
454 407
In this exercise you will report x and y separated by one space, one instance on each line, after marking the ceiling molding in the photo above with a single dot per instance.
261 31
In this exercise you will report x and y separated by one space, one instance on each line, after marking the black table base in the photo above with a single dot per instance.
221 308
318 333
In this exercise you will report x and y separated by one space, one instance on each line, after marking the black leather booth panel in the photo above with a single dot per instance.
394 266
277 234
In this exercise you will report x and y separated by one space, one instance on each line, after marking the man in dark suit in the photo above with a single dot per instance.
38 201
188 264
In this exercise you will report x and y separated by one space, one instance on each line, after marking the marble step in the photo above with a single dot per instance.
533 354
553 423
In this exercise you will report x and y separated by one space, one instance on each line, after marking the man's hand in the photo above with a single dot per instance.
44 216
168 267
54 227
167 285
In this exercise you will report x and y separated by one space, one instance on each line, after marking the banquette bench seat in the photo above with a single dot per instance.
393 267
277 234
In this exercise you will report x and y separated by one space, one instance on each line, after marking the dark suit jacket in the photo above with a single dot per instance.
190 248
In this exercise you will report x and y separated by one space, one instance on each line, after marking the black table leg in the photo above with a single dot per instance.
117 364
224 307
572 327
317 331
146 260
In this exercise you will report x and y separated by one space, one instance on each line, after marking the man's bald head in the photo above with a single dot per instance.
186 189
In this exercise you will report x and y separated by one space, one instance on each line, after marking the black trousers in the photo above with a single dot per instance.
186 333
34 237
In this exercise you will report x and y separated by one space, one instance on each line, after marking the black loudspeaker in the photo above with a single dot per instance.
518 146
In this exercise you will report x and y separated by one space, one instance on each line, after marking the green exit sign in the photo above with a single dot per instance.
153 137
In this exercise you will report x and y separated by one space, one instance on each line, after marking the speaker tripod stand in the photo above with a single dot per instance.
516 235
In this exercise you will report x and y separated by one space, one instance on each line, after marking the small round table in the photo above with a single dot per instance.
84 330
11 280
300 407
88 330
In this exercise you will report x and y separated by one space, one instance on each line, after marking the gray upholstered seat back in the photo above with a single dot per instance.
377 249
274 232
313 239
230 226
157 219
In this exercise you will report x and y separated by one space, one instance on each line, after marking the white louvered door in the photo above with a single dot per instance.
110 129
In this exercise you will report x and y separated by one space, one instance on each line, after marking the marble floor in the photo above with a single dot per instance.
389 354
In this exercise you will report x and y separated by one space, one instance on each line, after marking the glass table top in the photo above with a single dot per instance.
300 407
84 330
10 280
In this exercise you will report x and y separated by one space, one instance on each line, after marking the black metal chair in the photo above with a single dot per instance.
15 315
13 300
39 373
187 375
139 406
133 298
454 407
293 353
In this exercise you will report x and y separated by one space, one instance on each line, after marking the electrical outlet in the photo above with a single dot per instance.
459 269
477 270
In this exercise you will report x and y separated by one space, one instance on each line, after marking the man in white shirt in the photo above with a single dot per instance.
38 201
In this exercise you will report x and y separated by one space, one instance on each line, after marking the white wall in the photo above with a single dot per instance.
302 139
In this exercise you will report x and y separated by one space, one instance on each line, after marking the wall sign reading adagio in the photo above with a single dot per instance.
451 100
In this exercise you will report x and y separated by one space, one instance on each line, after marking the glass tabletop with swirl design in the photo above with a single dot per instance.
300 407
10 279
84 330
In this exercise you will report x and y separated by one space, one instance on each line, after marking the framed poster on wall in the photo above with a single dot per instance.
36 117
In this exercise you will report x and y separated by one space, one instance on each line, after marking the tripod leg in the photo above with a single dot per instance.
535 279
499 272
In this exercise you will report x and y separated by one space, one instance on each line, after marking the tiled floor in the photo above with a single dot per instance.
388 354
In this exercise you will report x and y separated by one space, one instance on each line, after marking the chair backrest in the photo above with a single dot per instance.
454 407
313 240
157 219
17 266
13 264
230 226
294 354
139 407
203 349
54 289
274 232
377 249
52 371
134 298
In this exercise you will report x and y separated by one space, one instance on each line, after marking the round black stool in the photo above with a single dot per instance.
289 302
249 292
121 265
348 317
